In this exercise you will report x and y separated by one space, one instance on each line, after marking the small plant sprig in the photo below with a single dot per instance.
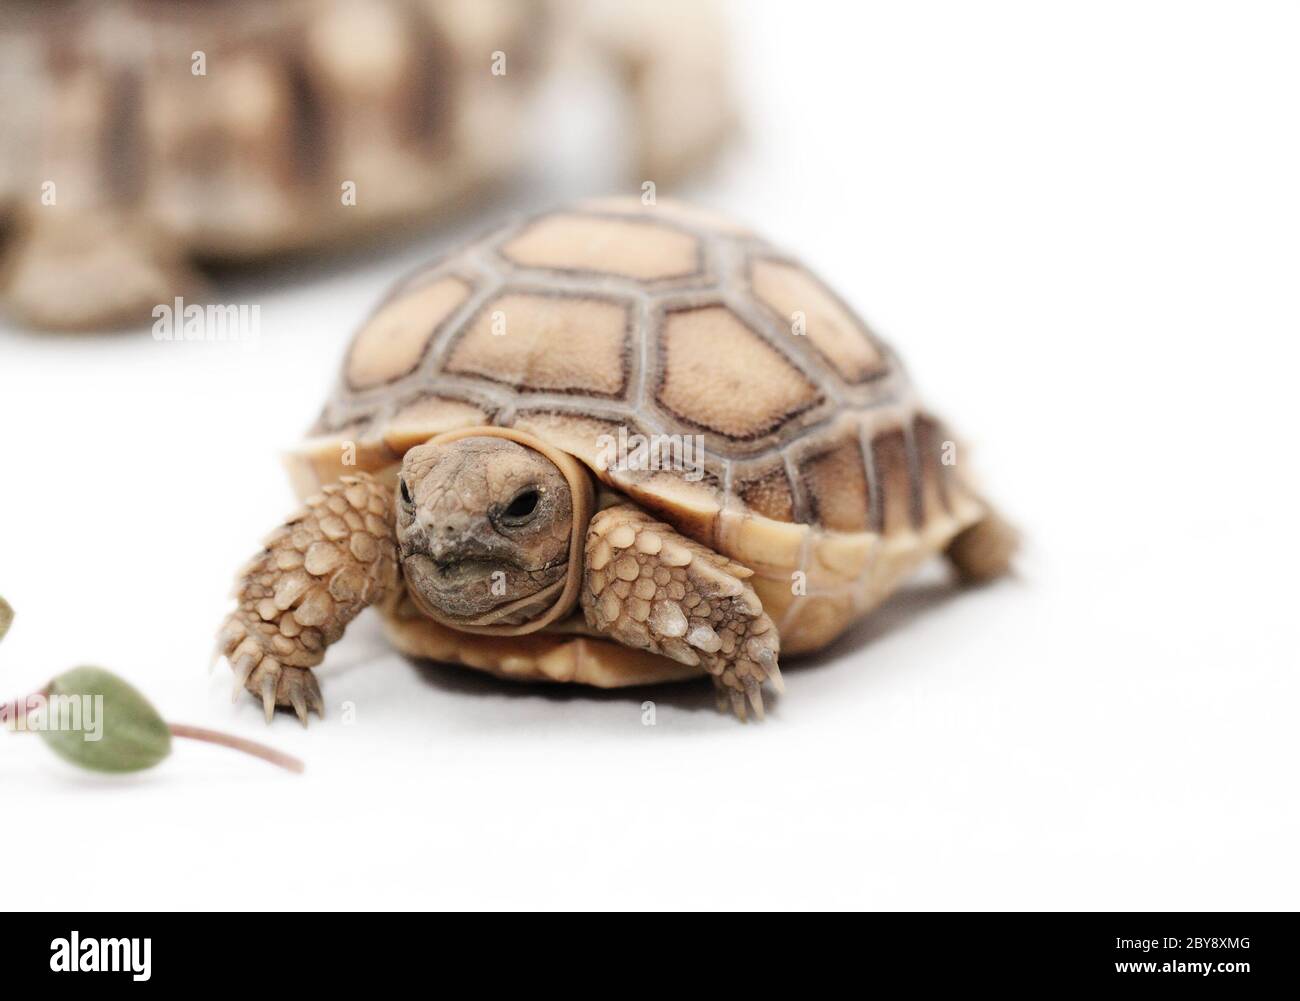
131 736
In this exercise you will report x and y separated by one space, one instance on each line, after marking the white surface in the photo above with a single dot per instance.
1079 224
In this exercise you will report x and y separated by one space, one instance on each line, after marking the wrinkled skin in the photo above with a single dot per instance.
480 512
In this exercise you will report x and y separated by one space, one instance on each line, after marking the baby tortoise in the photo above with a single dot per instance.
613 444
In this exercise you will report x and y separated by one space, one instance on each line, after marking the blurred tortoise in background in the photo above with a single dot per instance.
615 444
144 138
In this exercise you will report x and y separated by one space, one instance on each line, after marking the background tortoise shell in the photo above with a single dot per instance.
297 97
571 325
154 165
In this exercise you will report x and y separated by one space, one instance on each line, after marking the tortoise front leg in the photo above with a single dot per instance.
651 588
315 573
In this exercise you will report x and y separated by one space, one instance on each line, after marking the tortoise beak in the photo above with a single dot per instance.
450 538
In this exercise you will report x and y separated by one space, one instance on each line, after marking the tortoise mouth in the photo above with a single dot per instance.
474 587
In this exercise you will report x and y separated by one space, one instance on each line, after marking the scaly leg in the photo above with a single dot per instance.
315 574
650 588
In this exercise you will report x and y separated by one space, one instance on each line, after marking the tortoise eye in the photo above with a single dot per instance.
406 493
521 508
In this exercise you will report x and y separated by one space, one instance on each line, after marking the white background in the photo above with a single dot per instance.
1079 222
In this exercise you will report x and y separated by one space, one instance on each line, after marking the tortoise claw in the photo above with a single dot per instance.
315 701
242 668
302 690
767 659
742 696
268 697
299 701
277 684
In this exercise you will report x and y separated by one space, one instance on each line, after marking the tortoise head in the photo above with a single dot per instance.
485 526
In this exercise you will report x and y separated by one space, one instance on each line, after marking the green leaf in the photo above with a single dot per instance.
6 617
131 736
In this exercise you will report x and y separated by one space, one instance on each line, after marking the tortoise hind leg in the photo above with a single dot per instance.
984 551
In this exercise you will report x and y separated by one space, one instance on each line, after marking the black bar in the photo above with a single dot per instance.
1236 952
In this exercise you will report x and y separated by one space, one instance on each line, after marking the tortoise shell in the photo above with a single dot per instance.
776 427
